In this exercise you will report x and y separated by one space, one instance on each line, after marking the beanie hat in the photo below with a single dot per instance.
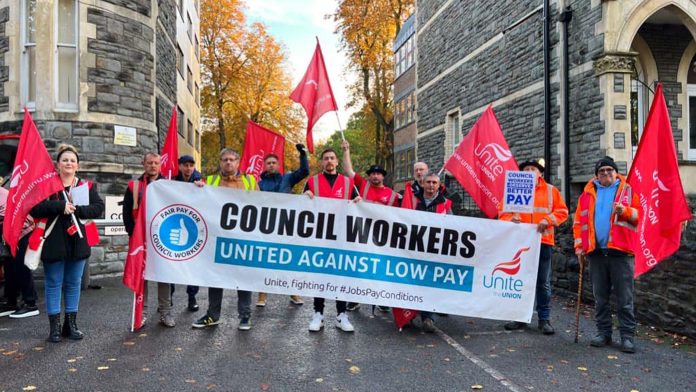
606 161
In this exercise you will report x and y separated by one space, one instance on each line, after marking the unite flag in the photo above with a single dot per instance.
658 185
134 267
480 163
314 93
260 142
34 178
170 151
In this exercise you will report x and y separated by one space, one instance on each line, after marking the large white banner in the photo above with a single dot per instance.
360 252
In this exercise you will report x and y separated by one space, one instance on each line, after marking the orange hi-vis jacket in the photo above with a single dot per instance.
548 206
622 227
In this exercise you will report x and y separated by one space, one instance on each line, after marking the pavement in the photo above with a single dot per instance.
279 354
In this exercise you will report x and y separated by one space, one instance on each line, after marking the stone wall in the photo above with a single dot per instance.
124 66
143 7
4 48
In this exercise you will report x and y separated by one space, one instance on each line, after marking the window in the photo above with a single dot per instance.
67 71
189 79
197 95
180 121
403 162
404 111
191 140
181 8
196 48
198 140
691 110
404 56
189 27
179 60
28 69
453 133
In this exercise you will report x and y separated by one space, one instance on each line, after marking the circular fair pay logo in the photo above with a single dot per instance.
178 232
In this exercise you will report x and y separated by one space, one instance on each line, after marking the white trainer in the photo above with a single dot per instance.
317 322
343 323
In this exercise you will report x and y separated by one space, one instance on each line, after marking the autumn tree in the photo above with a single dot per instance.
245 78
368 29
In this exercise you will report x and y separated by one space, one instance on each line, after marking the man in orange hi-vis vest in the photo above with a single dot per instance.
549 211
607 213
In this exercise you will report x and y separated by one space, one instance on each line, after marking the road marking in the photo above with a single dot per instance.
479 362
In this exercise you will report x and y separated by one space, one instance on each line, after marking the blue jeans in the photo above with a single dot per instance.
543 285
63 276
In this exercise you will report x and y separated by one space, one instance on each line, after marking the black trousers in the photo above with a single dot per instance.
18 278
319 305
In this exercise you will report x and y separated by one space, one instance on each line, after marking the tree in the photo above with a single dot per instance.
362 143
368 29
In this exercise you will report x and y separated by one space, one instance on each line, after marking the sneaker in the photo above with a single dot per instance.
25 311
244 324
7 309
627 345
205 321
383 308
261 302
343 323
167 320
546 328
600 340
296 300
514 325
192 304
317 322
428 325
352 306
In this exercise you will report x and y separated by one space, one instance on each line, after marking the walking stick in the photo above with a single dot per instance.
577 305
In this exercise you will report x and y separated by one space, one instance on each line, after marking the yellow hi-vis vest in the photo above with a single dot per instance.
249 181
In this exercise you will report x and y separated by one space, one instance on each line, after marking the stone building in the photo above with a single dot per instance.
103 75
605 59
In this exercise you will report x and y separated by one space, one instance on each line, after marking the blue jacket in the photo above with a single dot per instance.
196 176
283 183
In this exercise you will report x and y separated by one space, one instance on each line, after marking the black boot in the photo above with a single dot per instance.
54 334
70 327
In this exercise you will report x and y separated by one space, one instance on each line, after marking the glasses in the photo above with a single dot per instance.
608 170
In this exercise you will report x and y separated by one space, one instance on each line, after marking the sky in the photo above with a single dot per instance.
296 24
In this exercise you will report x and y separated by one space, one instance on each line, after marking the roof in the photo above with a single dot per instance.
407 30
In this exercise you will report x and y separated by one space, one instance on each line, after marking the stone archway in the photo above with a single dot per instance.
637 15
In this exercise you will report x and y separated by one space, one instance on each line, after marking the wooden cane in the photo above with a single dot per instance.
577 305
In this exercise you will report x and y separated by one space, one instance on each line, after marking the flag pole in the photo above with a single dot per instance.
340 127
577 305
74 219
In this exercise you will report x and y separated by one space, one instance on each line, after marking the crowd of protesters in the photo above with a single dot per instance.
602 216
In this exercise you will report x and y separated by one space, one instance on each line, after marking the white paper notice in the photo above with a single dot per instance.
80 195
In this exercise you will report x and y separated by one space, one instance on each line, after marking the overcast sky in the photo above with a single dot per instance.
296 24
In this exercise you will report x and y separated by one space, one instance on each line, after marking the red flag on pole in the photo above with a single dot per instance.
258 144
134 268
403 316
170 151
480 163
314 93
34 178
659 188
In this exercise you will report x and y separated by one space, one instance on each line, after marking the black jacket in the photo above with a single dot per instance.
59 245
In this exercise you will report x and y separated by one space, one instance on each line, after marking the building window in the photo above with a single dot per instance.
196 48
404 57
197 95
180 60
405 111
28 69
189 27
181 8
691 137
180 121
403 164
189 79
453 132
67 70
191 140
198 140
639 110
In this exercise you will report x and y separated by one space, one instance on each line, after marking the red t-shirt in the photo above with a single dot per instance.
375 194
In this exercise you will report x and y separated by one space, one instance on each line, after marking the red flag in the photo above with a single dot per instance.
403 316
260 142
34 178
134 268
407 199
480 163
657 184
314 93
170 151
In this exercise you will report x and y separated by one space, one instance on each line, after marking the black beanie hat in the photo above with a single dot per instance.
606 161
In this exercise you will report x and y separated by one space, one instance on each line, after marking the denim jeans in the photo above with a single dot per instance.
613 273
63 276
543 285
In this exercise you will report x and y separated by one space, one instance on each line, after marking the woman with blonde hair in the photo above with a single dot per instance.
65 252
